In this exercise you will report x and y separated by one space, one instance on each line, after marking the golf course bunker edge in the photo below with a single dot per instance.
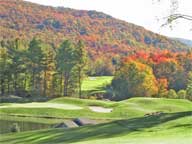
100 109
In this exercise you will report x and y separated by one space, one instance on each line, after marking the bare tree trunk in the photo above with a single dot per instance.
33 82
80 83
61 84
8 86
15 84
38 85
2 87
25 81
66 79
45 84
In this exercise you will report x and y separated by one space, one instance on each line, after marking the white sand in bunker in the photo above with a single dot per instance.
100 109
43 105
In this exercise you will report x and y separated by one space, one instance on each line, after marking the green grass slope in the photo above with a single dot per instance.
73 108
172 128
93 85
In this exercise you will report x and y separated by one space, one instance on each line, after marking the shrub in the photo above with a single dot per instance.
15 128
172 94
182 94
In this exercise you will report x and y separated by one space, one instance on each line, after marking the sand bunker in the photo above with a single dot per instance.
100 109
43 105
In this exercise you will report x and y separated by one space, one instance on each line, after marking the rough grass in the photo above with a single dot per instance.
172 128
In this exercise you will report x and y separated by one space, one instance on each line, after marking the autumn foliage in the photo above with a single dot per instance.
101 33
157 74
143 63
134 79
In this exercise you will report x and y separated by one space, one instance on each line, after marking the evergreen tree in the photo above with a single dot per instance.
189 86
66 61
4 68
35 63
81 58
17 65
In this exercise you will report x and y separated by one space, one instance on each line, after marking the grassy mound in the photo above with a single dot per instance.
172 128
62 108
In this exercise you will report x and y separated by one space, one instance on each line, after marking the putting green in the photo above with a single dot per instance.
43 105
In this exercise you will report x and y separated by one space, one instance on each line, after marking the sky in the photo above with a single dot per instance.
147 13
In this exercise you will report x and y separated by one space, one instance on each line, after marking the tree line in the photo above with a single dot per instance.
40 69
154 74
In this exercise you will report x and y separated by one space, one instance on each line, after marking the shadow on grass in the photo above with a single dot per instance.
100 131
96 90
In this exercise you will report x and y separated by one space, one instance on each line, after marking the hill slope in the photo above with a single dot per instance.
185 41
172 128
101 32
73 108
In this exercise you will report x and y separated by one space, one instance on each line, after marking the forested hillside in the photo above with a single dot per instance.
47 51
101 32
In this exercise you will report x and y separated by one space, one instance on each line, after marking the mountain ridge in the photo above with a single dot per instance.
185 41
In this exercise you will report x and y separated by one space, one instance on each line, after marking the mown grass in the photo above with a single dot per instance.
135 107
169 128
127 123
94 85
30 119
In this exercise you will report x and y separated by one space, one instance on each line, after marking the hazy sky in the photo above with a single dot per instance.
141 12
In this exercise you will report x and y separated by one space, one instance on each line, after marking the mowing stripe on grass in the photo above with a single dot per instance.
44 105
